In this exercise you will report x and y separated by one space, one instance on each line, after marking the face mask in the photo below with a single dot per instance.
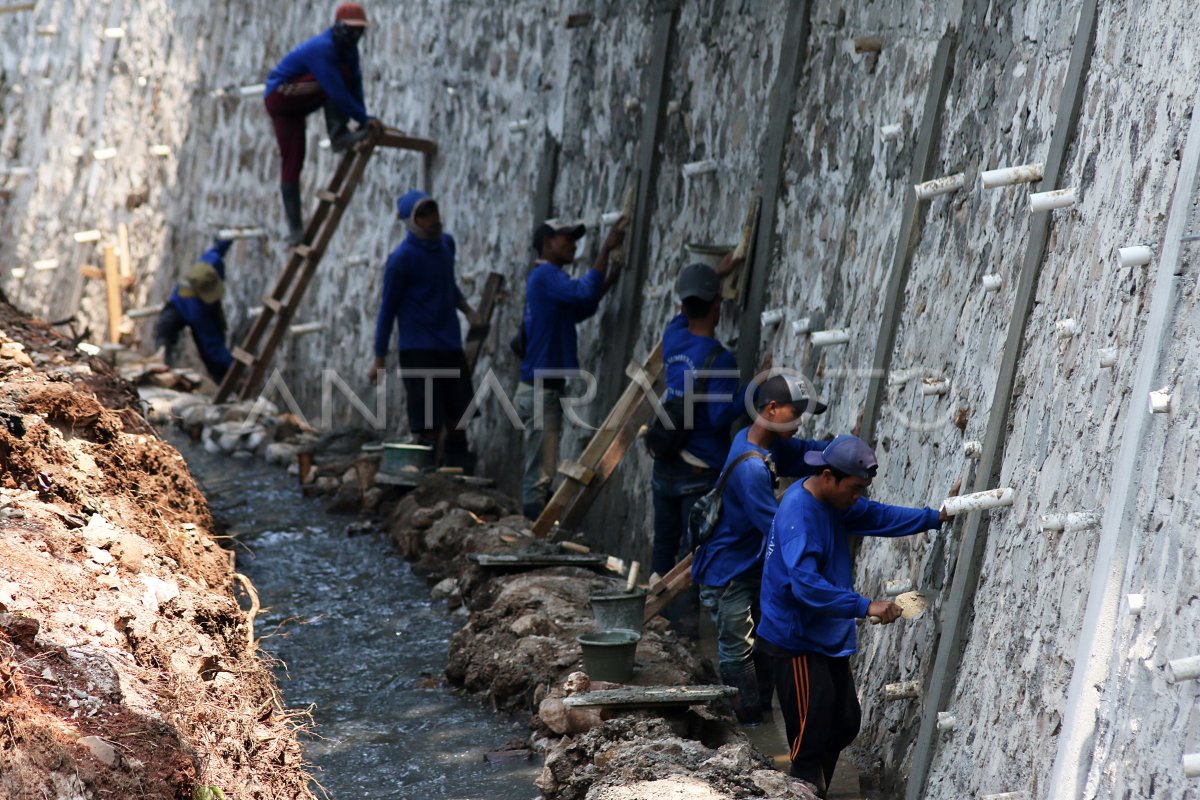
344 36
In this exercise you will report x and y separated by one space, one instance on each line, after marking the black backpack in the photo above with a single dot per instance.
664 442
706 512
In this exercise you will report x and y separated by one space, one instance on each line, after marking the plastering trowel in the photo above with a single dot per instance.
912 606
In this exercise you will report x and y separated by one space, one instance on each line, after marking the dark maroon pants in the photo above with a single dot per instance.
288 113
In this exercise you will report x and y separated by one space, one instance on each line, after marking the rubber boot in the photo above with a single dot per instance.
746 704
338 125
766 681
291 210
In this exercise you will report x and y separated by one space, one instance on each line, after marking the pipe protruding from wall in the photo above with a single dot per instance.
946 721
897 587
992 282
253 90
304 328
694 168
1191 765
1135 604
83 237
160 150
1107 356
935 386
802 326
518 125
1072 521
973 449
1005 796
937 186
890 132
1138 255
1066 328
114 33
104 153
1000 497
771 317
1183 669
230 234
904 690
46 265
1011 176
1160 401
611 217
1048 201
830 337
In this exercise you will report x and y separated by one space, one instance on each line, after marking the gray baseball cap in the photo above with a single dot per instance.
848 454
699 281
787 390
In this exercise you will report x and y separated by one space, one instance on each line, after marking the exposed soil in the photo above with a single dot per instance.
125 663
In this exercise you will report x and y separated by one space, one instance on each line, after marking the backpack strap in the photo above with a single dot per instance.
746 456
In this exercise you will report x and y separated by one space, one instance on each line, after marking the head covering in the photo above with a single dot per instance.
848 454
201 280
554 227
787 390
352 14
408 205
699 281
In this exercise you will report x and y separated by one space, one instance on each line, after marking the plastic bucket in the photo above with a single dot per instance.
619 610
406 457
608 655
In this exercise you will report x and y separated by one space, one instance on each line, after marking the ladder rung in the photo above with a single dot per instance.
302 250
241 355
327 196
271 303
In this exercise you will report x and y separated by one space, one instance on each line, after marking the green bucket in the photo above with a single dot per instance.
608 655
399 457
619 610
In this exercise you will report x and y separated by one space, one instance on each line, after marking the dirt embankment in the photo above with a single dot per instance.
125 663
518 650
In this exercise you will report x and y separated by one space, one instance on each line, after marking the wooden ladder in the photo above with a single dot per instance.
583 479
252 359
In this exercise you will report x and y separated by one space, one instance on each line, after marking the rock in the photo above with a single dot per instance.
98 555
328 483
371 498
567 721
95 627
533 625
350 477
101 750
444 589
229 442
281 453
477 502
98 532
158 592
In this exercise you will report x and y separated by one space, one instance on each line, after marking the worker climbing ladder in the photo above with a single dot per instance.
253 357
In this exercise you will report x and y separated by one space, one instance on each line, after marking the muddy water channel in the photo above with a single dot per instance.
362 643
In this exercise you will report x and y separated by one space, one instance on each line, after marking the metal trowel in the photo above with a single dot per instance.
912 606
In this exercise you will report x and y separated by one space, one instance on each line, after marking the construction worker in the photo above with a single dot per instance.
196 303
727 566
554 304
322 72
809 606
420 293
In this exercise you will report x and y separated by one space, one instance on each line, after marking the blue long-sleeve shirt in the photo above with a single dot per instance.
205 318
808 603
684 352
421 294
321 58
748 506
554 304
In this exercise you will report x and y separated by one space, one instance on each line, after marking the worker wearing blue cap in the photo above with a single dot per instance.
421 297
808 604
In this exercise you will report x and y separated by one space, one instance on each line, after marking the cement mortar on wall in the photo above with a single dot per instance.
460 73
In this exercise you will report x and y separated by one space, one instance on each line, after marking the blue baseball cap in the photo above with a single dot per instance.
848 454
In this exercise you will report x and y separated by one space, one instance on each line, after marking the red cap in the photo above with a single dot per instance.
352 14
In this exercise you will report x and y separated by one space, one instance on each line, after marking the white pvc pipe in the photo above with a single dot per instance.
1138 255
973 449
772 318
1107 357
252 90
902 691
1066 328
306 327
934 386
993 282
1001 497
47 30
1183 669
518 125
1010 176
1135 604
87 236
898 377
104 153
830 337
1160 401
1048 201
1004 796
950 183
802 326
946 721
46 264
17 272
114 33
695 168
16 172
241 233
142 313
1073 521
611 217
1191 765
160 150
889 132
897 587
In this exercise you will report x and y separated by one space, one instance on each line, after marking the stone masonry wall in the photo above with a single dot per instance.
495 83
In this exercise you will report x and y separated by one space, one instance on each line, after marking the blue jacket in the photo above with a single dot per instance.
321 58
684 352
420 292
808 605
554 303
748 505
205 318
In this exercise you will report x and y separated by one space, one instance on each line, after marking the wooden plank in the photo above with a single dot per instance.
242 356
911 221
671 586
485 309
576 471
271 303
651 696
608 445
112 288
92 273
536 560
779 128
957 613
125 260
394 138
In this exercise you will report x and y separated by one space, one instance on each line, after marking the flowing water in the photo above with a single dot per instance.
362 643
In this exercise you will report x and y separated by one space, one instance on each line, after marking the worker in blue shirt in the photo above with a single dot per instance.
728 565
554 304
809 606
322 72
196 303
421 297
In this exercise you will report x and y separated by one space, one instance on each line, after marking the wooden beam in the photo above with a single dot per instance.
394 138
112 288
956 615
123 251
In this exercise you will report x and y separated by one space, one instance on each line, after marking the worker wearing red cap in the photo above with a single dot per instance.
323 72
